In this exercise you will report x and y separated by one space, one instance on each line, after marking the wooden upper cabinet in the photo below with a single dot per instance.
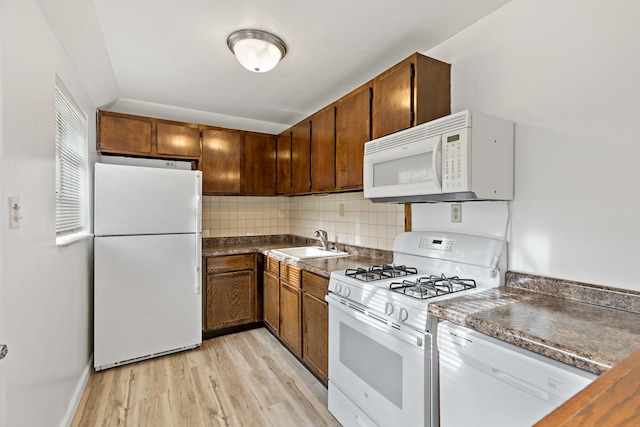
353 130
178 139
301 158
145 136
283 163
259 164
414 91
323 149
221 161
124 134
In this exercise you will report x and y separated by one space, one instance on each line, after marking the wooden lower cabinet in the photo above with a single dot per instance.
271 295
230 292
296 312
290 327
315 324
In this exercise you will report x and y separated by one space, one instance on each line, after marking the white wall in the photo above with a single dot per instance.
47 288
567 73
4 217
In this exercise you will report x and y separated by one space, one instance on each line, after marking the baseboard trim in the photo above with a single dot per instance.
77 394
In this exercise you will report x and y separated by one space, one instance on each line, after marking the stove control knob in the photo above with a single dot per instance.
338 288
404 314
347 291
388 309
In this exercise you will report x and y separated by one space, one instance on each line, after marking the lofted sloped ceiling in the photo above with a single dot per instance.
174 53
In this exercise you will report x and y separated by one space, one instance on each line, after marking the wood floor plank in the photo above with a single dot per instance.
245 379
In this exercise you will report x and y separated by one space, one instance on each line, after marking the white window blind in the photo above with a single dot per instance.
72 165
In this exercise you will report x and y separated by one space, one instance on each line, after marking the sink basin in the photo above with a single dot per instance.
306 252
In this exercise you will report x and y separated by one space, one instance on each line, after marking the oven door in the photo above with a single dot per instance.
377 372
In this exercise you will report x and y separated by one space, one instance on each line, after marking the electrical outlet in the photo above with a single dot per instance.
341 209
456 212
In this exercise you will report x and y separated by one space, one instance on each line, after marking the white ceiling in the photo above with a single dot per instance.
174 52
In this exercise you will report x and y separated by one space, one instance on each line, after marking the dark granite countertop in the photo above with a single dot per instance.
590 327
358 256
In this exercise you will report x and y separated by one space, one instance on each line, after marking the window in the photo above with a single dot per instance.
72 165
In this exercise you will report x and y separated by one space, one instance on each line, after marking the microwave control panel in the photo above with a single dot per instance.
455 153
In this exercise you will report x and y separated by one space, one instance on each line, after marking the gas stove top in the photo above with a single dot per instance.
428 266
380 272
432 286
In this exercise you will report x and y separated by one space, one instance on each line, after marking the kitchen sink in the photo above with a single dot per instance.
306 252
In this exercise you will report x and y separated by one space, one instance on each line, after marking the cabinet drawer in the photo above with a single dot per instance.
315 285
272 266
221 264
290 274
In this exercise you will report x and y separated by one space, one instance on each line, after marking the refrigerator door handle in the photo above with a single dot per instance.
199 280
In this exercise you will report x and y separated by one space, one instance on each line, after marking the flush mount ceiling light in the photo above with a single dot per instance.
257 50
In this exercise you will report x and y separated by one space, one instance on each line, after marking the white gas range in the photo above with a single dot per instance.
382 365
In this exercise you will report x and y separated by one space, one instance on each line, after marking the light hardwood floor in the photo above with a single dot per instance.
244 379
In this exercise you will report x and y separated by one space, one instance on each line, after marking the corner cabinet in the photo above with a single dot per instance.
129 135
315 324
259 164
230 296
412 92
221 161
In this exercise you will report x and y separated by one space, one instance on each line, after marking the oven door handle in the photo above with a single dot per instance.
412 339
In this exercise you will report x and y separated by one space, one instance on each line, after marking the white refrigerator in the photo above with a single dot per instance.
147 263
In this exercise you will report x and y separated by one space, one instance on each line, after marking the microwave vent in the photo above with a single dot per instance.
440 126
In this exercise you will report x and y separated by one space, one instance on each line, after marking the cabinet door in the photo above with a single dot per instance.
221 161
315 320
301 158
393 99
283 157
123 134
353 130
177 139
259 164
323 150
290 331
271 305
230 299
315 326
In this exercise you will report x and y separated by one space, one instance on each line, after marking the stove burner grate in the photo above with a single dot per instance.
432 286
379 272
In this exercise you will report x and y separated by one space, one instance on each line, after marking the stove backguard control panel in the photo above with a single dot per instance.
439 244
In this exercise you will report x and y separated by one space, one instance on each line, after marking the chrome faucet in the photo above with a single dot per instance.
322 235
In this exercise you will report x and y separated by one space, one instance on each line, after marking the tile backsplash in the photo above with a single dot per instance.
348 218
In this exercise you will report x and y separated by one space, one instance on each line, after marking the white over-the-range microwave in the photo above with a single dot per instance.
463 156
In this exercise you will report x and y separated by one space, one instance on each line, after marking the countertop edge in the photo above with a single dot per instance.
519 339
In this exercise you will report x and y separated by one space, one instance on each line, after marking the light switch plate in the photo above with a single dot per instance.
14 212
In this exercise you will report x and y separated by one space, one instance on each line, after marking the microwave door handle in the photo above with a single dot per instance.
437 164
